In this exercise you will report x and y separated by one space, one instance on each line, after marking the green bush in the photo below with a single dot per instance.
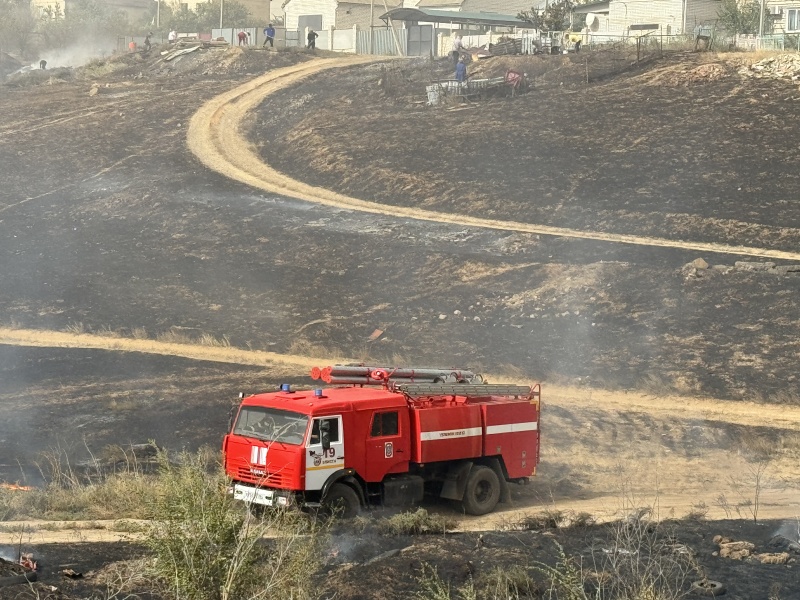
209 547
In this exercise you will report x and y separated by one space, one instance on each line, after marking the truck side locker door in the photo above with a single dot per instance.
387 446
321 463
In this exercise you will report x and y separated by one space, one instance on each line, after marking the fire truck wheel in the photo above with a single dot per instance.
482 492
342 501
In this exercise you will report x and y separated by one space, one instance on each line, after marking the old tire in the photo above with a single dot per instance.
28 577
482 492
342 501
706 587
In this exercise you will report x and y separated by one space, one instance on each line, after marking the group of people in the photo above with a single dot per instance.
243 37
457 54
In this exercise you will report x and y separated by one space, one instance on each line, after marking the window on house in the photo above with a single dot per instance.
793 19
384 424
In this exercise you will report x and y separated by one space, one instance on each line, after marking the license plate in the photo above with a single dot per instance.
254 495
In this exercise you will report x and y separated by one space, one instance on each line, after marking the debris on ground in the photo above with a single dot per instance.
769 558
735 550
703 73
71 573
27 562
782 66
10 569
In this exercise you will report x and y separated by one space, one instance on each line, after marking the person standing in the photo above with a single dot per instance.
147 43
173 36
42 64
458 48
461 70
269 35
312 39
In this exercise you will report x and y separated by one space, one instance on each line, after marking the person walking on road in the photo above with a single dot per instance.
312 39
269 35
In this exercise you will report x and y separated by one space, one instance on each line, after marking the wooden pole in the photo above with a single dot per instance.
394 33
371 22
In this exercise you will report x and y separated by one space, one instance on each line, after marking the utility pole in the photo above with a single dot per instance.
221 7
761 22
158 14
371 21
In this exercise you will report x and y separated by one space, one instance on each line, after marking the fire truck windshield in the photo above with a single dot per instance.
271 425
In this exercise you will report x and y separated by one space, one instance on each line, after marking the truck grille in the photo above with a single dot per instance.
278 479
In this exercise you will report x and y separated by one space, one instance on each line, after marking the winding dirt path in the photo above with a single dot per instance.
216 137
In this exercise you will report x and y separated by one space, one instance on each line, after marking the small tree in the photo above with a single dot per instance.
555 16
739 16
17 25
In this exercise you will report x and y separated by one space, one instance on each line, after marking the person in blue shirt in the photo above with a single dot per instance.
269 33
461 71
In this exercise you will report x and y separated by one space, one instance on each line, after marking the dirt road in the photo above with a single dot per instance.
217 139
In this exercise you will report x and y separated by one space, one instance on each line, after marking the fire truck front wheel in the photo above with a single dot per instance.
482 492
342 501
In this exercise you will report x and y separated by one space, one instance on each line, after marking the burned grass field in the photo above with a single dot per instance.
674 149
655 366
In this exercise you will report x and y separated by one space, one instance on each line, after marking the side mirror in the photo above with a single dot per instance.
324 434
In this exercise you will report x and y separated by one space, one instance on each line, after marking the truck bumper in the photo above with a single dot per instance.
263 496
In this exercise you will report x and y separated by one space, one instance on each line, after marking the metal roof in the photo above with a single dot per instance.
426 15
592 7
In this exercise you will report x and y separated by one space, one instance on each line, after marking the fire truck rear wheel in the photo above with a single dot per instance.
342 501
482 492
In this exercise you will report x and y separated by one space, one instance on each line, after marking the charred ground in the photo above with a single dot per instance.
109 225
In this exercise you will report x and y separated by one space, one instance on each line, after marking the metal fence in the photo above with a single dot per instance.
383 42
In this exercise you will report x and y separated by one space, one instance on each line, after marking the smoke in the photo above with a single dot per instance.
77 54
790 529
8 553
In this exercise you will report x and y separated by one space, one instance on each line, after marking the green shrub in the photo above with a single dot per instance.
209 547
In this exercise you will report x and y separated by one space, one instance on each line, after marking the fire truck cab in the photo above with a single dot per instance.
343 448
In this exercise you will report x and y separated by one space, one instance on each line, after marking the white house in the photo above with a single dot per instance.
340 14
673 16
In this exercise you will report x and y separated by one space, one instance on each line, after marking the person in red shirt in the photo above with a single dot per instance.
242 38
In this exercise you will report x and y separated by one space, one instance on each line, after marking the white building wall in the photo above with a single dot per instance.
701 12
779 23
666 13
298 8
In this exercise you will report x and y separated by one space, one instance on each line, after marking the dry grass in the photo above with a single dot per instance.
415 523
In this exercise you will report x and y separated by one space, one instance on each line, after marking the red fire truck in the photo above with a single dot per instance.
388 438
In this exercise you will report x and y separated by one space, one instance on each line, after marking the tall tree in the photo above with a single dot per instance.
554 17
739 16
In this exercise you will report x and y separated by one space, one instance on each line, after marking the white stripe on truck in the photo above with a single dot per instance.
446 434
512 427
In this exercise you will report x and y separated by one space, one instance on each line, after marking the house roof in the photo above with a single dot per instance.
427 15
592 7
378 3
435 3
503 7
